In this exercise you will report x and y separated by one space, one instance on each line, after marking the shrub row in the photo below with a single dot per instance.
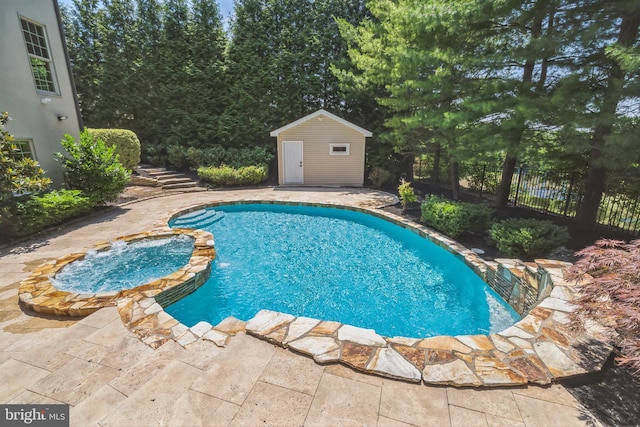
227 175
31 214
527 238
214 156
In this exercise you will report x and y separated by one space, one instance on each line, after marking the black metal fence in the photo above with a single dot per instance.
555 192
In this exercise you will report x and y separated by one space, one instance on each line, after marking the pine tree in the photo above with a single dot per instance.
147 106
605 69
119 56
82 25
248 117
206 83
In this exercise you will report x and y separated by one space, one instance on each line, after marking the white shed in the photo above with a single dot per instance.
321 149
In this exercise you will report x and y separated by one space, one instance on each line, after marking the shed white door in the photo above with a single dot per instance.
293 169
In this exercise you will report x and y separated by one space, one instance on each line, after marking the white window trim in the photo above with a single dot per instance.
48 60
340 153
28 142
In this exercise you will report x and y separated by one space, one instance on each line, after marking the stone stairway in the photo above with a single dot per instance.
168 179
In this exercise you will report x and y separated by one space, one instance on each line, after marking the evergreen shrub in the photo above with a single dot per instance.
528 238
93 167
229 176
29 214
126 142
454 218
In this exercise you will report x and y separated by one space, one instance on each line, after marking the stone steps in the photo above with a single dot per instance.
168 179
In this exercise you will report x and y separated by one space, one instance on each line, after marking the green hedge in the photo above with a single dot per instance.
454 218
29 214
126 142
228 176
527 238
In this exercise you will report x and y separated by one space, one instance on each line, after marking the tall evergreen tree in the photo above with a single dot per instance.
119 57
147 106
82 25
248 118
605 69
420 53
205 87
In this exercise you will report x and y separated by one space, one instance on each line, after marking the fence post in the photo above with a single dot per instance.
515 200
484 168
568 195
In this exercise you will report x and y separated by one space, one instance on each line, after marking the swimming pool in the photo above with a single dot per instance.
338 265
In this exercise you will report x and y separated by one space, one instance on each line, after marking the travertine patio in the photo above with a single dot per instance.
110 377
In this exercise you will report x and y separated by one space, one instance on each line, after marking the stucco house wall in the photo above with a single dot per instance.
35 114
318 132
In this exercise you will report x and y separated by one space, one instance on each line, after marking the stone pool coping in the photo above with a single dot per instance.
39 294
539 349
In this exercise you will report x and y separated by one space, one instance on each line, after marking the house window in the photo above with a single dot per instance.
39 56
339 149
21 149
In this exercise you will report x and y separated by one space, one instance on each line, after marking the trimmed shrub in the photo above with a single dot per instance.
93 167
248 156
454 218
30 214
177 156
126 142
211 156
228 176
527 238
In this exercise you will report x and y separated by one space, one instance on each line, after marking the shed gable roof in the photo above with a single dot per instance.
320 113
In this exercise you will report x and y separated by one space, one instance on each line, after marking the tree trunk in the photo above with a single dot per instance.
508 167
454 170
594 187
435 174
407 166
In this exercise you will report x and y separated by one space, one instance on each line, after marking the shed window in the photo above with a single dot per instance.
39 56
339 149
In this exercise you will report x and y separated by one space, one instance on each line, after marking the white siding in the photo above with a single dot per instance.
32 119
321 168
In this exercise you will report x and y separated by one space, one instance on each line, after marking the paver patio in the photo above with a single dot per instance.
110 378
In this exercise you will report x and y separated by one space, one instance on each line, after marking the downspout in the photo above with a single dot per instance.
56 7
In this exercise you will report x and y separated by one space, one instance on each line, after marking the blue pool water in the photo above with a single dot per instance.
125 266
335 264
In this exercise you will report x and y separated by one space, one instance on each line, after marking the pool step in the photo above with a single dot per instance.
201 218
